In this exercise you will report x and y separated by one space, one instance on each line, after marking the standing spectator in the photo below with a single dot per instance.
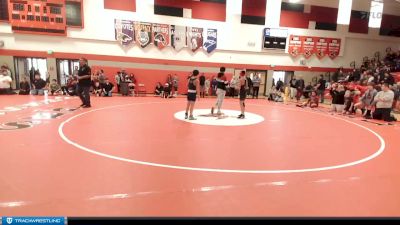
250 85
108 88
293 89
118 81
300 85
175 82
38 85
279 85
84 78
207 85
384 103
321 87
256 85
24 87
337 92
202 82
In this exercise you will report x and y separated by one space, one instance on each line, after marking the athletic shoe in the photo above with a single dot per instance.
86 106
240 116
192 118
212 110
186 116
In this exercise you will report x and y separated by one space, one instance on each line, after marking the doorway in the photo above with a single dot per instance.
65 68
26 66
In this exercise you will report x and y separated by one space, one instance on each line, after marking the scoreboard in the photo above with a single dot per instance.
275 38
48 17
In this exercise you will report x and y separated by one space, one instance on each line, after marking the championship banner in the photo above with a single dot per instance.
178 37
334 47
195 36
124 31
308 47
160 35
143 33
322 47
211 43
295 45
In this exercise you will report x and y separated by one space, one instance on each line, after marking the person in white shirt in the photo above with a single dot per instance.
383 102
5 84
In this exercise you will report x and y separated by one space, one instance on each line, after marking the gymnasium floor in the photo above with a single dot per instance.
132 156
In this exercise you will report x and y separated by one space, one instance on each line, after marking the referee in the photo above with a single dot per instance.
84 78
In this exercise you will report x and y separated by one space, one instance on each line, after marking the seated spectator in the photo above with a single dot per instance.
383 103
312 102
55 87
366 101
159 89
5 84
71 86
167 90
24 87
38 85
97 88
108 88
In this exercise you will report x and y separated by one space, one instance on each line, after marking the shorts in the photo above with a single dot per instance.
243 95
191 97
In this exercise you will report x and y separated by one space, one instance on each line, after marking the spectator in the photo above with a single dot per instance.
207 84
256 85
312 102
38 85
321 87
98 88
300 85
24 87
202 81
383 102
293 89
107 88
55 87
175 83
366 101
167 90
249 84
337 92
159 89
5 84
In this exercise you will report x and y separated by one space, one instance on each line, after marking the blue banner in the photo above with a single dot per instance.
211 43
33 220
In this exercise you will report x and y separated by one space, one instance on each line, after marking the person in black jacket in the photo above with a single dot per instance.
337 92
24 87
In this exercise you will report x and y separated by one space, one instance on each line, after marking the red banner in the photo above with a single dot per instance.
309 47
334 47
295 45
322 47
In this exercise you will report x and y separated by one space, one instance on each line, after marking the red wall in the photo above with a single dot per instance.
150 77
254 7
200 10
358 26
125 5
294 19
323 14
